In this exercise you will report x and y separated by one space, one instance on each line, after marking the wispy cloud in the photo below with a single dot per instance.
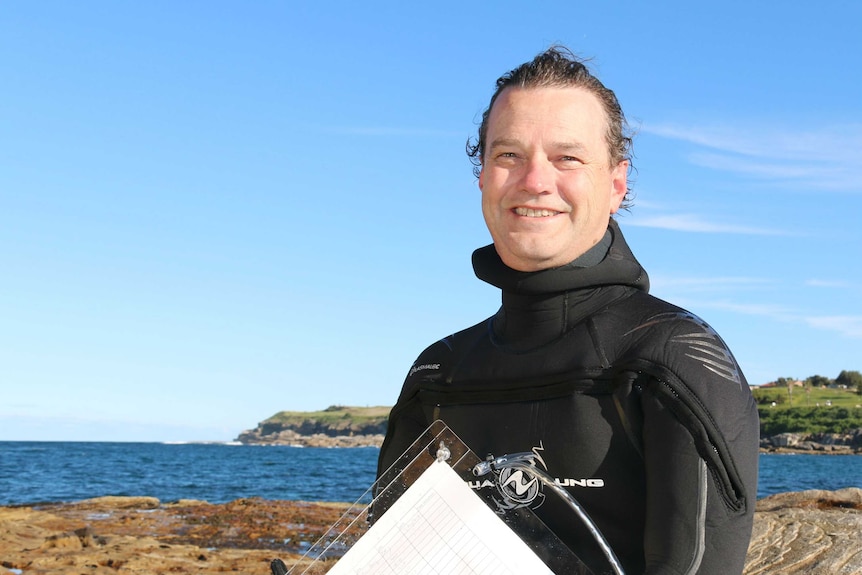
696 223
845 325
848 325
839 143
827 158
771 311
728 293
764 169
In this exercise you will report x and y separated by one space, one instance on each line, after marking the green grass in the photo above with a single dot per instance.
809 420
802 397
818 410
333 414
804 412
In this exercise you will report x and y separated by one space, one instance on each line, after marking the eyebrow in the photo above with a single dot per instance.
501 142
558 146
569 147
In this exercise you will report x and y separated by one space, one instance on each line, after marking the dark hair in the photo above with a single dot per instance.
559 67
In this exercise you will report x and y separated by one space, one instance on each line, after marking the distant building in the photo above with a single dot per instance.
794 383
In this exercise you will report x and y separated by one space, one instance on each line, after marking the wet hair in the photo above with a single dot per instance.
558 67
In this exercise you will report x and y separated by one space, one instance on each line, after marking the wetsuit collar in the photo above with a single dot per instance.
610 262
540 307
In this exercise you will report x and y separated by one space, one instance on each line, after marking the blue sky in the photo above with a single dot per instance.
214 211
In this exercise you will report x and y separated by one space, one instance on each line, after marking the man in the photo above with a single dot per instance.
633 405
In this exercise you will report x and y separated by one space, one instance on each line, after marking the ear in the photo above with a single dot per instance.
619 185
482 178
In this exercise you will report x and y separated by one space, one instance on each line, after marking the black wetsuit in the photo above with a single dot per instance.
634 405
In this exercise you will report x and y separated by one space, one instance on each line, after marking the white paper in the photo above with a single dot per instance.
439 526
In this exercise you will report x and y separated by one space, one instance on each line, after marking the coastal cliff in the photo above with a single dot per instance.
343 426
335 426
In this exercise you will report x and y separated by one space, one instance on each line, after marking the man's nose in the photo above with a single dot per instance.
538 176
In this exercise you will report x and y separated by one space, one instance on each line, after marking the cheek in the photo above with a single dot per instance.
587 193
487 206
491 191
491 219
493 213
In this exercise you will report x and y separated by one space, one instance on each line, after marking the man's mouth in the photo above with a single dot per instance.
531 213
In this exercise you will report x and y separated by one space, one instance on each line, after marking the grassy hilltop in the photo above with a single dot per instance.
808 410
333 416
335 426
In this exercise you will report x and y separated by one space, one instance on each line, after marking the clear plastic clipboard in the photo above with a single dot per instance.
435 528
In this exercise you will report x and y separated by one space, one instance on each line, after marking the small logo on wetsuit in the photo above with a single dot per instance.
518 487
423 367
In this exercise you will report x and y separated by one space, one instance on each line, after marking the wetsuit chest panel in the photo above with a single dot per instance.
578 440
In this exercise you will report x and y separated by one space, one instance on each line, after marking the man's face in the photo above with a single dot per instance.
548 188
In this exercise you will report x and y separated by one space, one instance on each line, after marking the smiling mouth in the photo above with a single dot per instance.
531 213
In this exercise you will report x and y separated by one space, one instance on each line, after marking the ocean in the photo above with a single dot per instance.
41 472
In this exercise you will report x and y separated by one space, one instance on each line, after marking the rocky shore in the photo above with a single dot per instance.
320 439
336 426
829 443
784 443
810 532
144 536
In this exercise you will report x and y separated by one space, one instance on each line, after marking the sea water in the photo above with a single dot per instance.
36 472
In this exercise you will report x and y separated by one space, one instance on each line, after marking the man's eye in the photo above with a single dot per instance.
506 157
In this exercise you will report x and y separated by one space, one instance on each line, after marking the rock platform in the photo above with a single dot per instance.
809 532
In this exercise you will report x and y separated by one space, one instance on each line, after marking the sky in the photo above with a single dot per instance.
212 211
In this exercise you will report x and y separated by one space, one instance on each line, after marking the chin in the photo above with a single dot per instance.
528 262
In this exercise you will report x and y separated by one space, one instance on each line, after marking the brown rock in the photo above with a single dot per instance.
114 502
291 437
65 541
810 532
113 535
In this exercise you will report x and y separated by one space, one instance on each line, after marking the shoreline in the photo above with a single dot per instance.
847 450
784 443
792 532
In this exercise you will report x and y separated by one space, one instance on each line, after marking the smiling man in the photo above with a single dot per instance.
548 182
636 407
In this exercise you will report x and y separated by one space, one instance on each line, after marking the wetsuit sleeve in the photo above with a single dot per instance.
701 467
407 420
406 424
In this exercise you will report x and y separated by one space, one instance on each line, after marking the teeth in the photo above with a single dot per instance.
530 213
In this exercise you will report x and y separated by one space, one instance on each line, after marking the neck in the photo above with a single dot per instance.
539 307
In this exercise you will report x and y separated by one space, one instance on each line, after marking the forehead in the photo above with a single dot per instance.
570 110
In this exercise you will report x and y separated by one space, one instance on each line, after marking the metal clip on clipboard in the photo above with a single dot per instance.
526 462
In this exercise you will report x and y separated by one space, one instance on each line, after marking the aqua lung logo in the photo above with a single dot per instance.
517 488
